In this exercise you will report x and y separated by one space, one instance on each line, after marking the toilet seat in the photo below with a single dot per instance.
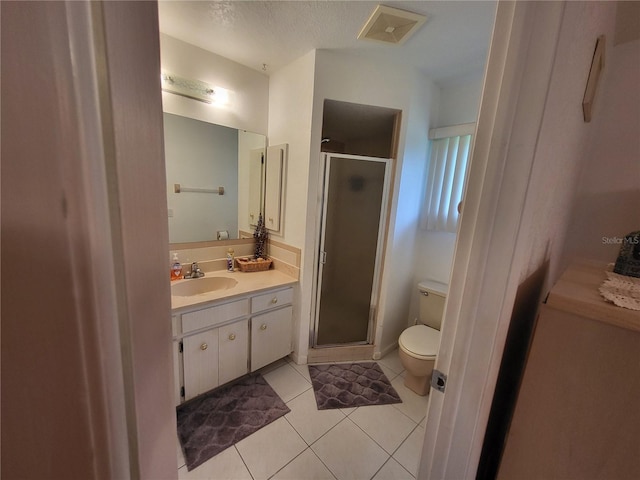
420 341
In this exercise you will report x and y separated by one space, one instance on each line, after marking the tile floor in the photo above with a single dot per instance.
375 442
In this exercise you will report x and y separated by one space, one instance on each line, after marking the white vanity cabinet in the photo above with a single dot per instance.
223 341
213 346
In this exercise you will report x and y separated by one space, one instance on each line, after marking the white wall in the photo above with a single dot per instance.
249 105
606 207
348 78
296 97
399 285
460 100
564 142
459 103
290 110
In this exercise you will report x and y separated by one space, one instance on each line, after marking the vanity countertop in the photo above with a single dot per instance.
248 283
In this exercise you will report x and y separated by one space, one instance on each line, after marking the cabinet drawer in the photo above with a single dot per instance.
214 316
271 300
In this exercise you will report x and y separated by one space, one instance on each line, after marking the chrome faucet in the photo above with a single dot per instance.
195 271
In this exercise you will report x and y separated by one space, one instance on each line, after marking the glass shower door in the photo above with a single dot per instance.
355 194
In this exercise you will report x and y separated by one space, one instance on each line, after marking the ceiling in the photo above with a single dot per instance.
452 43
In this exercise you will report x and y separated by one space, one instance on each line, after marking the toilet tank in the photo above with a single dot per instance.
432 297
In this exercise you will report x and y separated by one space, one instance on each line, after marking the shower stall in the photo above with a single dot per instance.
353 220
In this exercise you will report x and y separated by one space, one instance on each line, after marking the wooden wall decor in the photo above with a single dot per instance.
597 65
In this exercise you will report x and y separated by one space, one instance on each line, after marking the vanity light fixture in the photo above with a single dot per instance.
194 89
391 25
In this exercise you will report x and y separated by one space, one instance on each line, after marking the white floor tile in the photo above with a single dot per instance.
413 405
287 382
348 411
387 425
392 470
227 464
390 374
340 448
270 448
273 366
302 370
308 421
392 361
305 466
349 453
408 455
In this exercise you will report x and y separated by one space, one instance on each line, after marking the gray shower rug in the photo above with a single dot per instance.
216 420
345 385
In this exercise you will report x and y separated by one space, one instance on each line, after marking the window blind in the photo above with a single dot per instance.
445 181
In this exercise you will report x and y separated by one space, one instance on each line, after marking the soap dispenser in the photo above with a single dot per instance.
176 268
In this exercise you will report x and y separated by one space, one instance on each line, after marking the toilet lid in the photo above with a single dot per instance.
420 340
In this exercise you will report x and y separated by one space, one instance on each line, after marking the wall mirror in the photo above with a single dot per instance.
215 179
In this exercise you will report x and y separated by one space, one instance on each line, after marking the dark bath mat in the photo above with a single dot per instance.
214 421
345 385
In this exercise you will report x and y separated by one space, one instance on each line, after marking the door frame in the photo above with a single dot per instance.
487 263
318 264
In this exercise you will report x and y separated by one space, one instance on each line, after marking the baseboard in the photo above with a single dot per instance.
387 350
299 359
340 354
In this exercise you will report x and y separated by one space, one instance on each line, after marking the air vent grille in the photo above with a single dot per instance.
391 25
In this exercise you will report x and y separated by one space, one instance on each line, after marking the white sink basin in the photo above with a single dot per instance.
199 286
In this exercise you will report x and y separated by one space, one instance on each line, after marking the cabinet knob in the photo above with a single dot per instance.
204 346
271 219
232 336
274 300
263 326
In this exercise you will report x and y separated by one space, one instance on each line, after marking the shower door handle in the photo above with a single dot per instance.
323 257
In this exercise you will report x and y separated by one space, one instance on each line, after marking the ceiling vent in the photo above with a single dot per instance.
391 25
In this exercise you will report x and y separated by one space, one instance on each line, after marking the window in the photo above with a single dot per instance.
450 148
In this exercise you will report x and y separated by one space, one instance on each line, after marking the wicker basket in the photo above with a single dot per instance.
251 265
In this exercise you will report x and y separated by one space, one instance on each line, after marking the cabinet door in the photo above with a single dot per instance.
270 337
200 357
234 351
256 182
273 186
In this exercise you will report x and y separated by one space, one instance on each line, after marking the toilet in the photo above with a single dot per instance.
418 345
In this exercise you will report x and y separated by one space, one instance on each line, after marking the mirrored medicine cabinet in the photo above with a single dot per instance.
219 180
